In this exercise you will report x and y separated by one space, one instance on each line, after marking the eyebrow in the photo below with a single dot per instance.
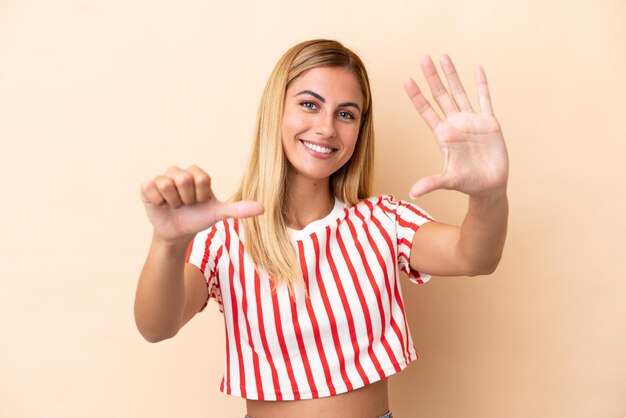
323 100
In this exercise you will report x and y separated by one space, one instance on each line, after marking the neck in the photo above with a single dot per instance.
307 200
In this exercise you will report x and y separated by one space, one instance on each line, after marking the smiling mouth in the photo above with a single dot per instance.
318 148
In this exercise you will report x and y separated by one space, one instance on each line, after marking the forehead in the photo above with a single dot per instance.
333 83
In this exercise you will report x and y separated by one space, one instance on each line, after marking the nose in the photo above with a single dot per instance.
325 125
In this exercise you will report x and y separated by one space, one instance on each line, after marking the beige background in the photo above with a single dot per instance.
96 97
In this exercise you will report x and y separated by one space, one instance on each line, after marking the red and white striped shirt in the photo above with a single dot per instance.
350 332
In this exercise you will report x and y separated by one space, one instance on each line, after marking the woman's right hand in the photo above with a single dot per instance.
181 203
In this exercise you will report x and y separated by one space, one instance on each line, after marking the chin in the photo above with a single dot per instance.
313 173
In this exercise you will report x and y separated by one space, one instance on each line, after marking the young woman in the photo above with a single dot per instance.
303 262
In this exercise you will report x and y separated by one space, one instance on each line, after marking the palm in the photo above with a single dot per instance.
472 144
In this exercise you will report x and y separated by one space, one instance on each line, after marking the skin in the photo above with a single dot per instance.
321 107
476 164
180 203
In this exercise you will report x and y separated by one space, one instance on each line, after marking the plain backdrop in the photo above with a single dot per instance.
97 97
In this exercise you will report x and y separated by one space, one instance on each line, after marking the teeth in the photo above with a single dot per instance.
317 148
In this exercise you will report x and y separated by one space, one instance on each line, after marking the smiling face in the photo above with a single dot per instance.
321 120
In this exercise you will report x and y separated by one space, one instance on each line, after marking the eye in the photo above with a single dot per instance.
345 115
308 105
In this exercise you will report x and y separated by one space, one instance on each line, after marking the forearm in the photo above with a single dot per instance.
483 232
160 297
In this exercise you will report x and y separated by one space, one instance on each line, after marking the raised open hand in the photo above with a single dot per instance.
181 203
476 161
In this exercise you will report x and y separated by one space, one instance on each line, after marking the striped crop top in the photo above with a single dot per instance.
350 332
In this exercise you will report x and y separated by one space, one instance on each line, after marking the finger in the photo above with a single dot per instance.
202 183
242 209
427 185
484 99
420 103
184 184
437 88
150 194
456 87
167 189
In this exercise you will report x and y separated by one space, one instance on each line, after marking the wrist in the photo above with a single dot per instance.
490 196
176 244
488 204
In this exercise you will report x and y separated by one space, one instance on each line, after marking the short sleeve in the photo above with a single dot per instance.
204 252
408 219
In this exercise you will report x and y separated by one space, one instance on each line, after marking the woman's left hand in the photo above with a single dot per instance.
476 161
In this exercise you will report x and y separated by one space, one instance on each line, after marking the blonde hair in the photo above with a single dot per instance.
265 180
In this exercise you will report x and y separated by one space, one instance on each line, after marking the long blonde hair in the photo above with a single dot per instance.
265 180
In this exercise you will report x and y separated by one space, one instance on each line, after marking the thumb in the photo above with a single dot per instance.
426 185
242 209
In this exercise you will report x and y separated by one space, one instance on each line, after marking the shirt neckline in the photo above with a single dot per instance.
333 215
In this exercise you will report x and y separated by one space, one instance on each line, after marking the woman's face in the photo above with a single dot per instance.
321 121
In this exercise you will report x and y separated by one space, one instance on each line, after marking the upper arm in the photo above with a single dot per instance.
201 272
196 292
434 250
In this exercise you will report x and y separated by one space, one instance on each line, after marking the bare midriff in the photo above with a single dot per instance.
370 401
